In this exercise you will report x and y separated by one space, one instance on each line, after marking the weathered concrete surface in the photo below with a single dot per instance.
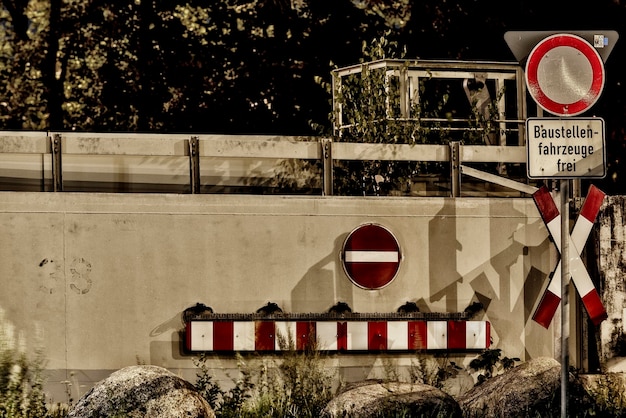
372 399
612 270
107 276
142 391
519 392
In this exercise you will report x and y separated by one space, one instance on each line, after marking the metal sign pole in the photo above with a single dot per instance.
565 275
545 56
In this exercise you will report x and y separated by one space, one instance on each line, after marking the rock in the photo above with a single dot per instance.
371 399
522 391
142 391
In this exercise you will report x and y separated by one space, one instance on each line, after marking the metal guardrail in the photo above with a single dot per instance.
52 152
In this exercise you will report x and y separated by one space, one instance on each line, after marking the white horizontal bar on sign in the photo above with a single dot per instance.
397 335
125 144
493 153
357 338
24 143
371 256
390 152
201 336
476 335
244 336
259 146
437 338
327 335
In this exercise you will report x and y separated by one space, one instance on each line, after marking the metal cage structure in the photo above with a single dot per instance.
412 83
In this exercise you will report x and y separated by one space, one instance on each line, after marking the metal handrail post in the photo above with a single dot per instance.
194 164
455 169
327 164
57 165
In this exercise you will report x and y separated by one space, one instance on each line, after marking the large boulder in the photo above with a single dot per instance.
377 399
525 390
142 391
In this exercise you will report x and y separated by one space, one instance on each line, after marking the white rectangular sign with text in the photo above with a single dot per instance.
565 148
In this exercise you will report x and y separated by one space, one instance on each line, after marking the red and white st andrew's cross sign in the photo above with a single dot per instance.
587 291
371 256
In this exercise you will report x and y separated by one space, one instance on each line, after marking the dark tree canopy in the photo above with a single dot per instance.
252 66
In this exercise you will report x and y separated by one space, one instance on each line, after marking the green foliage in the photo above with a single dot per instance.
490 363
233 400
229 403
482 126
396 411
368 109
430 371
23 33
609 398
294 386
301 380
205 384
166 66
58 411
21 379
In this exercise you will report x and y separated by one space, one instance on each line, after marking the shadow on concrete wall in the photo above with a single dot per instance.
443 273
324 284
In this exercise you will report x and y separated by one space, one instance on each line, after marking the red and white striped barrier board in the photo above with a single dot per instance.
552 218
346 336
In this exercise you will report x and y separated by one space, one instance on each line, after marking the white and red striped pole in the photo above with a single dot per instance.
552 296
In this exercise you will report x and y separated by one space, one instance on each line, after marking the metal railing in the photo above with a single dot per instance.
496 90
186 163
58 157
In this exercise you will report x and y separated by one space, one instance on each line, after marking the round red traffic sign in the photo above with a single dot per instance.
371 256
565 74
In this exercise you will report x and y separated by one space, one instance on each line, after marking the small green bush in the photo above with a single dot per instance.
491 363
608 397
296 385
21 379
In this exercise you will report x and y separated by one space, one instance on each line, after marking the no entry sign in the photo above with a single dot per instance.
565 74
371 256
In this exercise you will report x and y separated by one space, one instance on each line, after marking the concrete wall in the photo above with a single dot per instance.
612 270
107 276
